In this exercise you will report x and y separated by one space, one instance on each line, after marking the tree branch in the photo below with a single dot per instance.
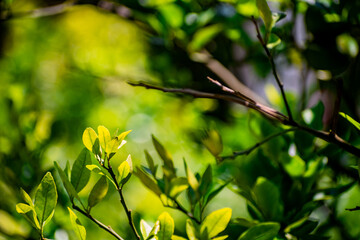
273 67
249 150
97 222
266 111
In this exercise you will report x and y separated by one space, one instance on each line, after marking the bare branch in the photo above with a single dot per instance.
273 66
267 139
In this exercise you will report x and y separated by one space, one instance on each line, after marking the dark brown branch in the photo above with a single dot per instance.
267 111
249 150
357 208
335 116
273 67
97 222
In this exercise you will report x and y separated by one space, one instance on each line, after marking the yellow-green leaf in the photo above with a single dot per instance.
89 137
263 231
148 181
166 226
213 142
193 182
68 186
79 229
98 192
26 198
351 120
29 214
191 230
125 171
104 137
216 222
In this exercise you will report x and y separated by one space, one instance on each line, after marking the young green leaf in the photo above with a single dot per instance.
166 226
89 137
262 231
221 237
191 231
26 198
351 120
175 237
68 186
45 199
154 231
203 36
79 229
216 222
150 163
122 135
80 175
29 214
166 157
206 181
148 182
213 142
104 137
193 182
177 186
98 192
145 228
265 14
125 171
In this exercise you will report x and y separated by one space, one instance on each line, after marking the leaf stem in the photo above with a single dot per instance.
183 210
97 222
122 200
273 67
267 139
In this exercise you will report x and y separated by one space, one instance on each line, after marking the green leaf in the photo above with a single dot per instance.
216 222
206 181
125 171
150 163
267 198
78 227
68 186
104 137
45 199
26 198
177 186
148 182
221 237
98 192
191 230
175 237
351 120
193 182
262 231
80 175
154 231
166 226
203 36
29 214
265 14
96 169
166 157
89 137
145 229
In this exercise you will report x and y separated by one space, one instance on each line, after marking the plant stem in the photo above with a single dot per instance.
123 203
273 67
183 210
100 224
249 150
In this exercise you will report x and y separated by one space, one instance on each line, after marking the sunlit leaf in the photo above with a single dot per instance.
104 137
266 15
213 142
145 229
125 171
216 222
45 198
191 230
150 163
166 226
79 229
193 182
89 137
98 192
351 120
28 213
26 198
80 174
203 36
166 157
262 231
178 185
221 237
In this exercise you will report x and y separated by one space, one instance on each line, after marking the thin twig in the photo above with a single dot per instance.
183 210
123 203
100 224
273 66
357 208
335 115
249 150
267 111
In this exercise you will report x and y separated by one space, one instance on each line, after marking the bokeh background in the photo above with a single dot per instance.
67 71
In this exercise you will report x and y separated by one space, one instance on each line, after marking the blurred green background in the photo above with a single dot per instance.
62 73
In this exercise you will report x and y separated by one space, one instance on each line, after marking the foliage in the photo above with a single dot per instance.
290 164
